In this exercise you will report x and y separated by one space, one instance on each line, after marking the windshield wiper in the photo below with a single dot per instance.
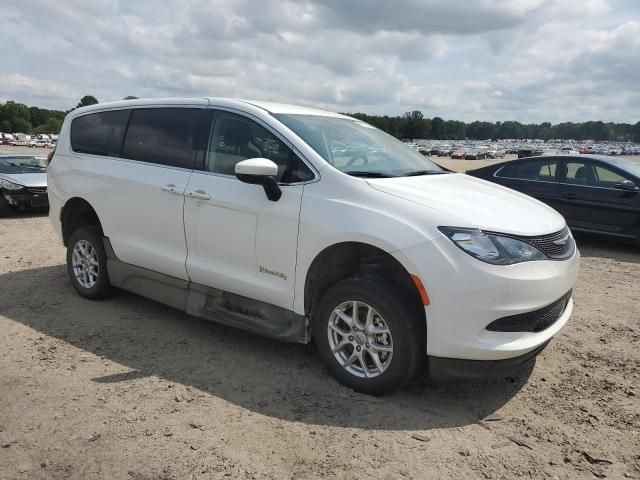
359 173
34 167
424 172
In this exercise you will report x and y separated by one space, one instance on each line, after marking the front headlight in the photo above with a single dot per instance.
7 185
492 247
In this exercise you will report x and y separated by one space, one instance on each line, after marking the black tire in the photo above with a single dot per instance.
102 287
404 318
5 208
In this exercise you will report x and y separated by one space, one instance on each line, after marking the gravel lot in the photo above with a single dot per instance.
128 388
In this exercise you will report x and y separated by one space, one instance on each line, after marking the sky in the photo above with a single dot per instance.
494 60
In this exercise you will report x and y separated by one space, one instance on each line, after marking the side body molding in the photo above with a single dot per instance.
207 302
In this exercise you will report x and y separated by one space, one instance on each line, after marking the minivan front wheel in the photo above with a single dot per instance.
87 263
360 339
370 334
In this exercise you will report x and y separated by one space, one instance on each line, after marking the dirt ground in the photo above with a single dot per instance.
126 388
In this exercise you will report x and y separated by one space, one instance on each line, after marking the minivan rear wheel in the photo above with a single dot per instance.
87 263
370 334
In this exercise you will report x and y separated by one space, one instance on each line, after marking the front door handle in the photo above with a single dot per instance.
200 194
171 188
570 196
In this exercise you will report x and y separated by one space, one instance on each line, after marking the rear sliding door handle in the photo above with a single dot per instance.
200 194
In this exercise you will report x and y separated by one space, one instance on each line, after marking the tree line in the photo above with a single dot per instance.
17 117
413 125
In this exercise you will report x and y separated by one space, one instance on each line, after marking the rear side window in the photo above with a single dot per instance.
162 135
540 170
508 171
580 173
99 133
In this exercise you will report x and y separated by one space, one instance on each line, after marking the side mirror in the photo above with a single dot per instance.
627 185
260 171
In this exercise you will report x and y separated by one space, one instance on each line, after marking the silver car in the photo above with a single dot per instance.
23 183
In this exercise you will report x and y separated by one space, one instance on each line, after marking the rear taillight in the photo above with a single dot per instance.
50 156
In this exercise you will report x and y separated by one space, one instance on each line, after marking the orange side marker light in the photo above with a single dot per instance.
421 290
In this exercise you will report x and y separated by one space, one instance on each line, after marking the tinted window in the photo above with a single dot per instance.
607 178
538 170
235 138
580 173
508 171
547 171
99 133
162 135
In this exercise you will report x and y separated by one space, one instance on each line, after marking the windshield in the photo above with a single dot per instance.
357 148
24 164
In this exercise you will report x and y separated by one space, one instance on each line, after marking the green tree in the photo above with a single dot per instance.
636 132
438 128
480 130
86 101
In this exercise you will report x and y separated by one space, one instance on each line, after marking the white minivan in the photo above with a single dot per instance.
303 225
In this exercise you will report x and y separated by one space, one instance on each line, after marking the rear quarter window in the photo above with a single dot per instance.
508 171
99 133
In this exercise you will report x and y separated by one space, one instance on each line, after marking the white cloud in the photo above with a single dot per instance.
529 60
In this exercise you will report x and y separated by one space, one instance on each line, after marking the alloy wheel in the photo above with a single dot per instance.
360 339
84 261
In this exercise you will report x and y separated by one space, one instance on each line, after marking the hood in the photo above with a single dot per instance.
465 201
27 179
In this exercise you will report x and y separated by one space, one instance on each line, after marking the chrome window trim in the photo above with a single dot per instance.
132 107
277 134
200 106
495 175
130 160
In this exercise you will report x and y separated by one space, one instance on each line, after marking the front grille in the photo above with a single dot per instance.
37 190
557 245
535 321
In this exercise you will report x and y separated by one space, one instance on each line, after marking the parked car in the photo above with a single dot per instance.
594 193
306 225
457 154
22 139
527 152
7 139
38 143
23 183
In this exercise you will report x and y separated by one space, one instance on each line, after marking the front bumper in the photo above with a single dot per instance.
444 369
27 198
466 295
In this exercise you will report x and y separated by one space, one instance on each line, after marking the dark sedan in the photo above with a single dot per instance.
594 193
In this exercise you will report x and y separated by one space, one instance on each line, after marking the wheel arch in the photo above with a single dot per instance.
77 212
354 258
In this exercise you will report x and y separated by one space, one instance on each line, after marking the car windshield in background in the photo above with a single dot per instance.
22 164
357 148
